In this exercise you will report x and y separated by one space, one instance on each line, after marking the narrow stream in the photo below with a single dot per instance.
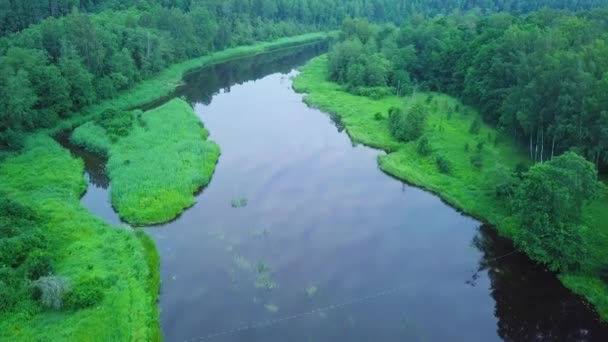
329 248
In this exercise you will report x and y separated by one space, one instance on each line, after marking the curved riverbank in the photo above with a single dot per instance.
48 180
466 187
157 168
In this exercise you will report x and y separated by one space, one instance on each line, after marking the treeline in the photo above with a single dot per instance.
18 15
542 78
58 67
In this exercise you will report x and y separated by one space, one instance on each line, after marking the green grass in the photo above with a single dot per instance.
167 80
156 169
466 188
46 178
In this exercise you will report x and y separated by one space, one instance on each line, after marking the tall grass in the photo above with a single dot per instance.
49 180
468 187
156 169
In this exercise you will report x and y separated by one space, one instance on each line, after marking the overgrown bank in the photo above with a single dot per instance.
100 282
475 154
71 276
157 159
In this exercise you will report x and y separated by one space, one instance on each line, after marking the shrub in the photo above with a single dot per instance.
85 294
480 146
466 147
443 164
475 126
603 273
117 124
378 116
407 126
9 288
520 169
50 291
38 264
477 161
424 147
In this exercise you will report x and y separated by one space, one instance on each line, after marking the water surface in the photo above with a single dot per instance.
329 248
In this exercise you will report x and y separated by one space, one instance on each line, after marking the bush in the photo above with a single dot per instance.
11 140
38 264
475 126
9 288
520 169
424 148
378 116
480 146
477 161
117 124
466 147
407 126
50 291
443 164
85 294
603 273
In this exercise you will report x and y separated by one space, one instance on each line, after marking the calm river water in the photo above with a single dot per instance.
329 248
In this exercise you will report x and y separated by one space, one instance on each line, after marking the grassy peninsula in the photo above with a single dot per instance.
466 187
157 167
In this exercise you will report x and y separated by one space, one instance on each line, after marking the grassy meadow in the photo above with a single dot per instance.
46 178
467 187
156 169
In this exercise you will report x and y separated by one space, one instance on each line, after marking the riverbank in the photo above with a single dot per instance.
167 80
157 168
44 177
467 187
47 179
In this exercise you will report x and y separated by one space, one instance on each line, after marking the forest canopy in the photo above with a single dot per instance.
542 78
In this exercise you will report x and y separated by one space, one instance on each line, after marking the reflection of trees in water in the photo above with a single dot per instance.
94 165
201 86
531 303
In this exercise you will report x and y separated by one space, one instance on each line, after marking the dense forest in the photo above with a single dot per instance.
541 78
72 59
17 15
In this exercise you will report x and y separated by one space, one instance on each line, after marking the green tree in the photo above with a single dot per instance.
549 203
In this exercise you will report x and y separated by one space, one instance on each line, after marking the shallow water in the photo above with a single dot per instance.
329 248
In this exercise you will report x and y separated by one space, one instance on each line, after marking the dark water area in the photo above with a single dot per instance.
328 247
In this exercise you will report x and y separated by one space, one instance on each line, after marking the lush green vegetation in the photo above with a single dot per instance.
69 276
540 78
157 159
473 167
17 15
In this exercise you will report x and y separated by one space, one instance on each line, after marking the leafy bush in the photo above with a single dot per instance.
407 126
50 291
85 294
477 161
443 164
38 264
475 126
466 147
424 147
23 252
116 123
603 273
378 116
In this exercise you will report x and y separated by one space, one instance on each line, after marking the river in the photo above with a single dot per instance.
300 237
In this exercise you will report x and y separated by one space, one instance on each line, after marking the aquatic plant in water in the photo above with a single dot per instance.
264 278
311 291
271 308
239 202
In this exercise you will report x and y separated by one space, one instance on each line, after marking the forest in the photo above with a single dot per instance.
542 78
53 68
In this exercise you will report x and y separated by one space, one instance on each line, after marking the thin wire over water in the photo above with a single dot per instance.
315 311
